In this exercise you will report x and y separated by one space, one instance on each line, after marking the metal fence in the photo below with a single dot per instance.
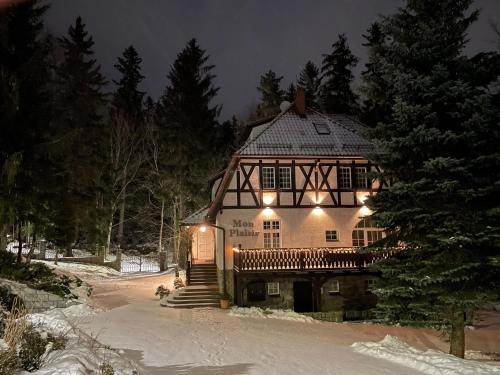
140 263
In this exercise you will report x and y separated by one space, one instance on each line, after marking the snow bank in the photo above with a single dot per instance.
430 362
83 354
256 312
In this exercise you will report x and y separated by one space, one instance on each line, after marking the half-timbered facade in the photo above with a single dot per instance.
287 216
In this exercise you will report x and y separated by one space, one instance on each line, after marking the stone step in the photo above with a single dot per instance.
200 283
209 280
201 287
193 296
191 300
200 292
191 306
204 273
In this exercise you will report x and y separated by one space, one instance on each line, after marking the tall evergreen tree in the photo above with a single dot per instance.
128 112
128 99
439 145
377 103
78 127
336 93
310 80
290 93
270 91
188 131
24 115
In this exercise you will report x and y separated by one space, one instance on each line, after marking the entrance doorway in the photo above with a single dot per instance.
203 247
302 296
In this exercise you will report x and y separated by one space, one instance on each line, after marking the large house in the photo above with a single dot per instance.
287 216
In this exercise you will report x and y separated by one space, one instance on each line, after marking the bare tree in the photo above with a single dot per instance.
126 158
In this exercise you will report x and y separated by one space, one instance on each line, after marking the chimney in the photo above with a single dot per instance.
300 101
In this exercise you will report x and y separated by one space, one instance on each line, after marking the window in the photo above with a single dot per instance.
271 234
321 128
361 178
373 236
358 237
268 178
366 229
285 177
256 291
335 287
331 236
345 178
273 289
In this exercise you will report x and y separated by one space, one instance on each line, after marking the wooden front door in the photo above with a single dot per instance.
204 247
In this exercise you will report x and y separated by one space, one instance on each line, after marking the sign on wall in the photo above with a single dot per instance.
242 229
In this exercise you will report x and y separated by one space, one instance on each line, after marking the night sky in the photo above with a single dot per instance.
243 38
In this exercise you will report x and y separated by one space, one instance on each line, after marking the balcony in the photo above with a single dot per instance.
304 259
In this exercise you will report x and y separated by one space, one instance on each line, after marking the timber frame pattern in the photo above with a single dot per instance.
314 177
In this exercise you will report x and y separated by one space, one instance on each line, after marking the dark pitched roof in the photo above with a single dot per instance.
315 134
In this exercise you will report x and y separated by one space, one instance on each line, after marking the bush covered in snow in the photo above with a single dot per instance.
162 291
36 276
178 283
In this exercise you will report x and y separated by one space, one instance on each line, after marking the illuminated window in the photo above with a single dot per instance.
345 178
361 178
273 289
271 234
285 177
331 236
268 178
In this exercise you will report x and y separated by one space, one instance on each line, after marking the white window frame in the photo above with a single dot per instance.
345 181
288 179
273 288
361 178
335 288
331 239
359 239
271 234
373 236
268 178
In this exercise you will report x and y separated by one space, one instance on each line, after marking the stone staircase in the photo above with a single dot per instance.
202 291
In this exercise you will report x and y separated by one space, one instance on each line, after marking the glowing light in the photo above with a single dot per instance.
203 229
267 199
236 249
317 210
365 211
267 211
364 199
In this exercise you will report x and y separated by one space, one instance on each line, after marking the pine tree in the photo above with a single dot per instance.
128 98
189 131
78 126
336 93
128 112
291 91
439 146
271 93
310 80
25 57
377 103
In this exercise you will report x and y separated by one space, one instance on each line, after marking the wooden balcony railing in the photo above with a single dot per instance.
303 259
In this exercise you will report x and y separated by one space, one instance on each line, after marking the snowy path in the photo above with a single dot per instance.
203 341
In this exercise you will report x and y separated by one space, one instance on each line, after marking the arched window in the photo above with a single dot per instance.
365 233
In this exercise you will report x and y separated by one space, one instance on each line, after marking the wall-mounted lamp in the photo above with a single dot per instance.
203 228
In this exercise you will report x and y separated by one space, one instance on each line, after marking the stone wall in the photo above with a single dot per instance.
352 296
35 300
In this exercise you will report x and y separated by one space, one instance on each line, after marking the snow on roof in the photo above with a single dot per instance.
197 217
315 134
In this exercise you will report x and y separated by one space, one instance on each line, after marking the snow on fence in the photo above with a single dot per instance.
140 263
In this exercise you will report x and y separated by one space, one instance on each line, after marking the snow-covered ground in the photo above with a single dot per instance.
256 312
430 361
83 354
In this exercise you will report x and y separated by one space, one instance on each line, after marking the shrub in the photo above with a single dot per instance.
58 342
6 298
9 362
162 291
33 347
178 283
106 369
